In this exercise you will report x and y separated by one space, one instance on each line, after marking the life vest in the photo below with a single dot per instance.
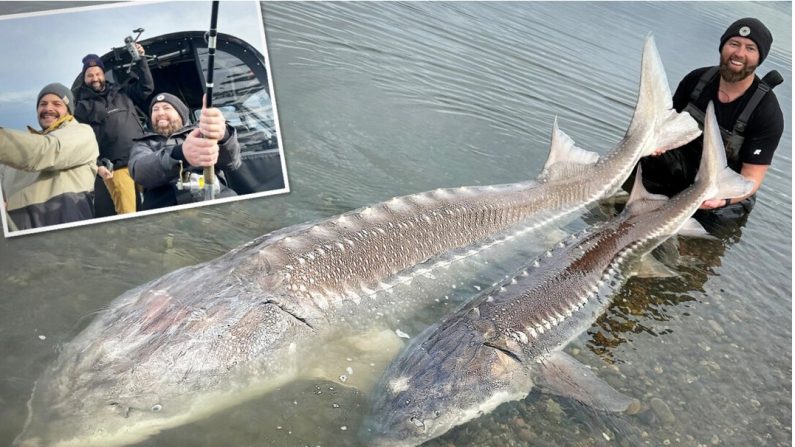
732 140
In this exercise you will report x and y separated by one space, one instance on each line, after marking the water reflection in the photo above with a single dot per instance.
643 300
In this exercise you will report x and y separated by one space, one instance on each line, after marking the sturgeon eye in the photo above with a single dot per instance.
157 407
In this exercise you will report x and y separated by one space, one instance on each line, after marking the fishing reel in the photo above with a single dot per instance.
194 183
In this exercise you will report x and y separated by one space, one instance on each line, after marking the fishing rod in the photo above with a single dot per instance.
209 171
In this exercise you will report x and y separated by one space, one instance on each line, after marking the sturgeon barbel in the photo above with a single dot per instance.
207 337
497 347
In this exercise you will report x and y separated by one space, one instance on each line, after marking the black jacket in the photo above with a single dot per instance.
155 164
111 113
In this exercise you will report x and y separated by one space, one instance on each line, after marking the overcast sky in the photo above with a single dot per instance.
45 47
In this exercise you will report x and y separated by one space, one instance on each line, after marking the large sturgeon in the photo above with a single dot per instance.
207 337
497 347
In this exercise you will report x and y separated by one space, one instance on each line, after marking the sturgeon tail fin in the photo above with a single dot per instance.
655 105
713 169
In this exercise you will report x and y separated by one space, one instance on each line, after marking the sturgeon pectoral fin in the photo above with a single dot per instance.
560 374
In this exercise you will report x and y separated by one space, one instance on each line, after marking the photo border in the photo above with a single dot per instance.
96 220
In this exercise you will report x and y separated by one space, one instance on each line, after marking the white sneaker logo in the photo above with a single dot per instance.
758 151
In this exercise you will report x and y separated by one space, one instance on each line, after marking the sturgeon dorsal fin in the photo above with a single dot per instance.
641 201
564 376
565 158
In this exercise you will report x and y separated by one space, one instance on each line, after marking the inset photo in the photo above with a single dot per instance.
116 111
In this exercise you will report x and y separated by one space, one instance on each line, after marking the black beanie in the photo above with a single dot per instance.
752 29
60 91
175 102
92 60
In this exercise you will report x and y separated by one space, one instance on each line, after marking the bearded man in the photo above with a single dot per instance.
63 157
110 109
168 162
748 113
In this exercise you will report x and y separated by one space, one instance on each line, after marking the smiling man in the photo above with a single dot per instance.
748 112
63 154
176 150
110 110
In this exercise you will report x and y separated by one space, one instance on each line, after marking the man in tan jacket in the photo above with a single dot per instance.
64 155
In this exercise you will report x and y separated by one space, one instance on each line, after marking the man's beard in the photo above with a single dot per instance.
98 86
169 128
729 75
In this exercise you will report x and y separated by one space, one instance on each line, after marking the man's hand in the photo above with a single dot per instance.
139 49
712 204
105 173
198 151
211 122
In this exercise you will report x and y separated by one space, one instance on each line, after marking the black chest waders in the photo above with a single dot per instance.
735 213
732 140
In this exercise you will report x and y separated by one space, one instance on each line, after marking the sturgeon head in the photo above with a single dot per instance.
168 353
450 375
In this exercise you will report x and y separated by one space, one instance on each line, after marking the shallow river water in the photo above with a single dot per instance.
384 99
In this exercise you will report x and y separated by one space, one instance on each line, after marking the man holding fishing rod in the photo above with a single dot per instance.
175 163
168 162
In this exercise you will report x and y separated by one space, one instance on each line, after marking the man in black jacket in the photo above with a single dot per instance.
168 162
110 110
748 113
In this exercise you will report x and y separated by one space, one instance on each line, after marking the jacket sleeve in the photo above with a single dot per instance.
64 148
229 150
144 86
152 166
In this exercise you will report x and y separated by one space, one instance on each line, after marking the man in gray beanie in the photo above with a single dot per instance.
63 155
748 113
168 162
